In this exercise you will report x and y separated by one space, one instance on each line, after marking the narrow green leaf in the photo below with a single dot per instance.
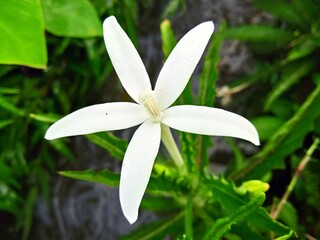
60 146
71 18
46 118
114 145
28 211
232 199
291 74
168 38
259 33
105 177
210 74
8 106
223 225
13 91
22 39
156 230
286 236
284 10
302 49
172 7
286 140
308 11
5 123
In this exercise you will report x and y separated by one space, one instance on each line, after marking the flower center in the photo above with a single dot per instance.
149 100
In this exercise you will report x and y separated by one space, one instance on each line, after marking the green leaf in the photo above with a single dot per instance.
302 49
172 7
28 211
266 126
105 177
71 18
223 225
259 33
291 74
168 39
232 200
8 106
156 230
5 123
46 118
159 203
22 39
282 9
114 145
210 74
286 140
60 146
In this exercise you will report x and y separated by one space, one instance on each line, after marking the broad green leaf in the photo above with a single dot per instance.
22 39
266 126
156 230
71 18
105 177
259 33
231 200
223 225
291 74
114 145
286 140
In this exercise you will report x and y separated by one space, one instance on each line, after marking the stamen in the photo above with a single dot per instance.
149 101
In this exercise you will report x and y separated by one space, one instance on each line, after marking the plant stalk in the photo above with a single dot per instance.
276 211
172 148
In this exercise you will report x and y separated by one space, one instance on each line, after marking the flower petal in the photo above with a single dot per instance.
97 118
181 63
125 59
137 166
210 121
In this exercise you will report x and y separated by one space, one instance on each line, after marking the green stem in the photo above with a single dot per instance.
172 148
276 211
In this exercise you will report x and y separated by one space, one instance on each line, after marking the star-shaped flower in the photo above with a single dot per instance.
151 109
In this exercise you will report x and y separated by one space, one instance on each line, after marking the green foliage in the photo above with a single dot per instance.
22 39
223 225
104 177
64 18
284 106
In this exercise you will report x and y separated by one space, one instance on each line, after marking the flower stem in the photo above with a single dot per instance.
276 211
172 148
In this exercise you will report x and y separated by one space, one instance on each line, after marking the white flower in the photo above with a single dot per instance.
151 109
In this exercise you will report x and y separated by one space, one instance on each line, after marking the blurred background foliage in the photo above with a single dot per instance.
54 61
